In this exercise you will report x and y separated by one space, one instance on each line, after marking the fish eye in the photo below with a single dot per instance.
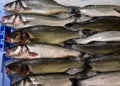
7 17
14 48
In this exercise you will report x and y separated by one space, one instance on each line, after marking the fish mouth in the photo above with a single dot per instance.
6 8
7 52
8 39
9 71
3 19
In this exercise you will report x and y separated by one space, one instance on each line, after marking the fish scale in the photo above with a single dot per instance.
109 79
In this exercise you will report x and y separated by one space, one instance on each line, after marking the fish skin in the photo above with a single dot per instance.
99 48
99 58
110 63
39 50
21 83
45 7
19 21
101 37
98 24
44 66
100 10
43 34
49 79
105 79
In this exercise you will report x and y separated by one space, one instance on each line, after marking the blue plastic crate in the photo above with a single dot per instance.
4 79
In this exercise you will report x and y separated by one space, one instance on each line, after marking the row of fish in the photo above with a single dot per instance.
50 72
105 79
80 48
107 42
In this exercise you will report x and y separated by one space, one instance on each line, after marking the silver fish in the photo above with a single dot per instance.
45 66
97 24
107 64
101 37
18 21
100 10
42 34
45 7
107 79
48 80
99 48
31 51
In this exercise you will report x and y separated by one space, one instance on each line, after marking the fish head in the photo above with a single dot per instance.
13 6
16 51
14 20
18 37
16 6
13 37
17 68
10 6
14 68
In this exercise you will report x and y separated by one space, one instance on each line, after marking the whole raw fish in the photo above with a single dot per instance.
100 10
38 50
45 66
109 63
18 21
45 7
98 24
43 34
99 48
48 80
101 37
106 79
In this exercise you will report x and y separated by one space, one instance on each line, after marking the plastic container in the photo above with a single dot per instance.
4 78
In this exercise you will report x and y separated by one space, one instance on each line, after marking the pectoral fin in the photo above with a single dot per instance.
118 11
32 54
72 71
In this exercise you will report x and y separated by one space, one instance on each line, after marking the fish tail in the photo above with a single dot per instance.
81 41
75 10
17 78
81 35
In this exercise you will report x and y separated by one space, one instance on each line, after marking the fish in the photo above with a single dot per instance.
97 24
18 21
42 34
104 79
105 36
45 66
49 80
100 10
98 48
40 50
110 63
45 7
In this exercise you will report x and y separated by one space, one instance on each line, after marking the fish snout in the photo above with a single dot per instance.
6 8
3 19
7 53
9 71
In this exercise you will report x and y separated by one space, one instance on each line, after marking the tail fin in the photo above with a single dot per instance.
81 41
